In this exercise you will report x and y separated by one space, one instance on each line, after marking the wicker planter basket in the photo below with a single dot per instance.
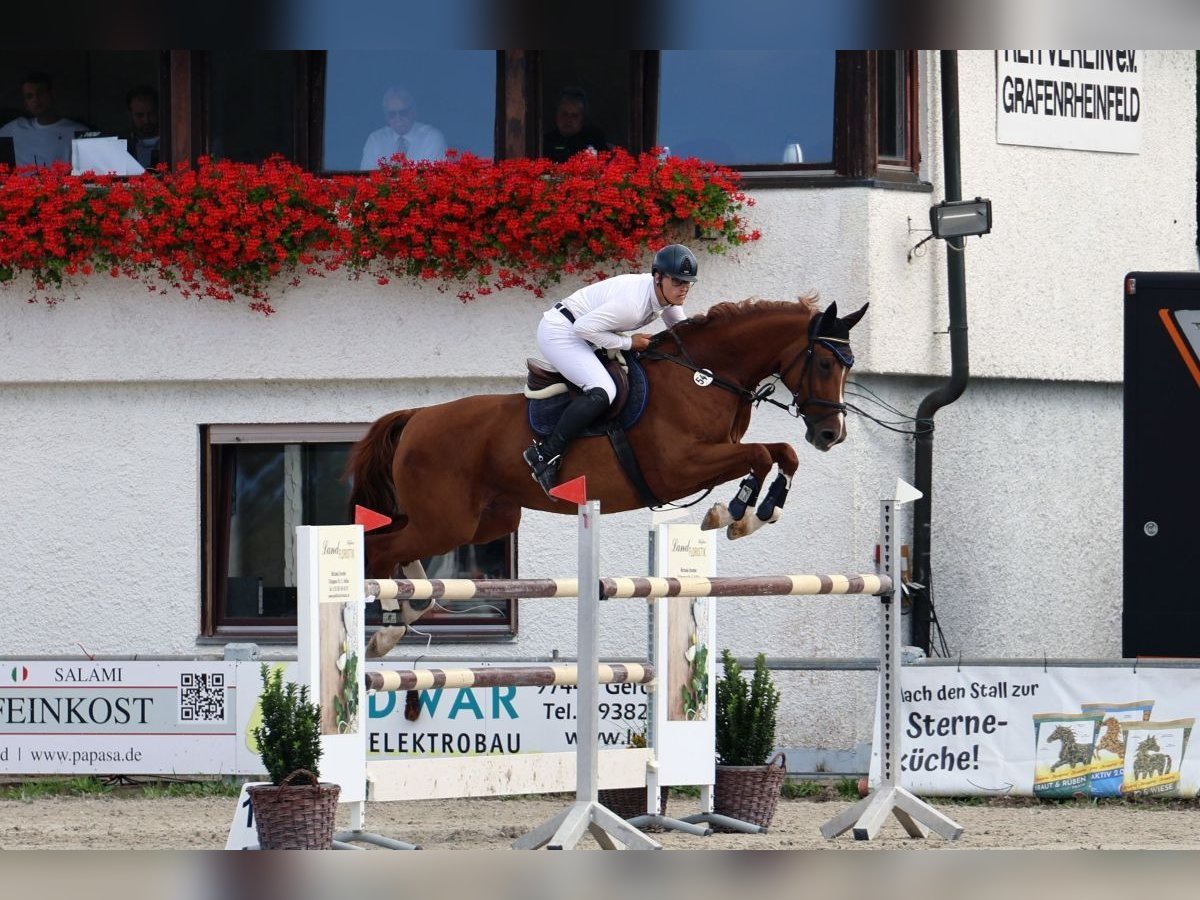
749 793
629 803
295 816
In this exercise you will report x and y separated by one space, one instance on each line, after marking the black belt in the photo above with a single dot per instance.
570 316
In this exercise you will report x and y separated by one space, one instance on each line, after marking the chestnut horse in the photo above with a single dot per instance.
452 474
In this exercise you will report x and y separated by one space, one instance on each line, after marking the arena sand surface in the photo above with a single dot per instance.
127 822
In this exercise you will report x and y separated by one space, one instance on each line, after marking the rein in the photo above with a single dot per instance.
840 348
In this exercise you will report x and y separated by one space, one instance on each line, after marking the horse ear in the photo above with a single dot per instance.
830 313
851 320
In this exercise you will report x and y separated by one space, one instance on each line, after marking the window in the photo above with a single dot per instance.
260 482
432 99
747 107
251 109
88 87
780 116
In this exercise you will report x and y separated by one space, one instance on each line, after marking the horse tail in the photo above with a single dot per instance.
370 465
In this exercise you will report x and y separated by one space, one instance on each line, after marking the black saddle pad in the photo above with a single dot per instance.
543 414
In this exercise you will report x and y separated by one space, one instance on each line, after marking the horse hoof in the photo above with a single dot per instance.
384 640
715 518
738 529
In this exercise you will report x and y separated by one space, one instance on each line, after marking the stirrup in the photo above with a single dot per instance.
546 474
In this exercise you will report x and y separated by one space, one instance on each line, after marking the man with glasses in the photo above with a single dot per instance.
402 134
594 317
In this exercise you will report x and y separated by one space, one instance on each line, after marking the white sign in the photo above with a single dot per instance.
1057 732
494 720
243 833
60 717
1072 99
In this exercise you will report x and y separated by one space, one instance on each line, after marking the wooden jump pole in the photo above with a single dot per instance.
627 588
506 676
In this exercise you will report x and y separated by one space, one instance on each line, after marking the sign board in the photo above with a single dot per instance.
330 562
61 717
1071 99
1049 732
1161 603
685 638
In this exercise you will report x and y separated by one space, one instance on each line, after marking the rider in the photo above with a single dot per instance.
594 317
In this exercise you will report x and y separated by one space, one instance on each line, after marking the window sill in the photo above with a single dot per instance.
890 181
287 637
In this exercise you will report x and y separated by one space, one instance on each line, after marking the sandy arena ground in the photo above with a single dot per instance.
122 822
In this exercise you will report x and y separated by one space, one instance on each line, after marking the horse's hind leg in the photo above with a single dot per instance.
386 638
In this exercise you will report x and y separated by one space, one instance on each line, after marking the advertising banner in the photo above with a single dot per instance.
135 717
1048 732
122 717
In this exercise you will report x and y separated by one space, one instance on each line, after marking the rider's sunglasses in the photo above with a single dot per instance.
679 282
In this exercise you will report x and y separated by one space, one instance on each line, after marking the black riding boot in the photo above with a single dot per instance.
545 459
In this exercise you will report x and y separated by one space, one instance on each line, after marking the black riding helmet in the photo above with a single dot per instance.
676 261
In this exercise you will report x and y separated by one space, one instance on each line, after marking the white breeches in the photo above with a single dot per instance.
574 357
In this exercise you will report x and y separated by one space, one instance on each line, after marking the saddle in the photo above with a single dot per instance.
543 381
549 392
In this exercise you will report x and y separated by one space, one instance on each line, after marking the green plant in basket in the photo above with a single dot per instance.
289 737
746 713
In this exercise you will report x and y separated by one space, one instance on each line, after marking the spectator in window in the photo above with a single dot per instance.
572 131
402 134
41 137
142 104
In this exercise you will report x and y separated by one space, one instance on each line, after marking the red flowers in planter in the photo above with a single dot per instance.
226 229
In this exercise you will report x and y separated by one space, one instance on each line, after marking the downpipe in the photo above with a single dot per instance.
922 608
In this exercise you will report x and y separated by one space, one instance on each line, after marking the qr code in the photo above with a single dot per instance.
202 697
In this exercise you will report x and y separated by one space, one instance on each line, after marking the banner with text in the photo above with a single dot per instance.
1056 732
1071 99
196 718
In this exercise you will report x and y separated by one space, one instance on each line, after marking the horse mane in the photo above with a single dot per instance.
731 310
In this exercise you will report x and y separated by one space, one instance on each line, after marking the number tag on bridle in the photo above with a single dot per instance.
703 377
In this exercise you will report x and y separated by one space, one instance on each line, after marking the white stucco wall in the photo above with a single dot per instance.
102 397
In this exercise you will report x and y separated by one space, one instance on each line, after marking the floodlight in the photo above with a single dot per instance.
961 218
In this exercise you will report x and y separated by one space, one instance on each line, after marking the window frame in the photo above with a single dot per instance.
518 124
213 629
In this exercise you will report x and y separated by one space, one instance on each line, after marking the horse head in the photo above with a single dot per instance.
1061 733
818 376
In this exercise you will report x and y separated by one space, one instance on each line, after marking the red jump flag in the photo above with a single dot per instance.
369 519
573 491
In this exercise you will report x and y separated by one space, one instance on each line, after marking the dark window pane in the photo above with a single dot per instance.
747 107
893 122
440 99
251 104
599 85
261 492
88 87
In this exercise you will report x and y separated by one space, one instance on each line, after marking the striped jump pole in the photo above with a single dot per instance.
504 676
624 588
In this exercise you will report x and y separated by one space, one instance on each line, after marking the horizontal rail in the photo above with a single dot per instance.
748 586
504 676
621 588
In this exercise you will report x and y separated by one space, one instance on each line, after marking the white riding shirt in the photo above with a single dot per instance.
602 311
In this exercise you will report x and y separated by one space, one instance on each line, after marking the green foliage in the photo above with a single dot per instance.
745 714
695 689
289 737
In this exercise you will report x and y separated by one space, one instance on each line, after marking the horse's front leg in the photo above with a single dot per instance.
727 461
771 507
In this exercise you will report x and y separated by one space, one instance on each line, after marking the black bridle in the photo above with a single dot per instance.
838 346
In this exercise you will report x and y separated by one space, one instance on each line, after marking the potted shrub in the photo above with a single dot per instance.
296 811
747 785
